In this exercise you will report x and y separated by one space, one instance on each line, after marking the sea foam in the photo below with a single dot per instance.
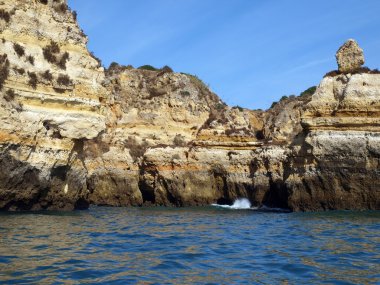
241 203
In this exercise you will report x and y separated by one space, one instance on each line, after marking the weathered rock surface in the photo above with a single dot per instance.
195 176
150 112
350 57
72 133
334 170
50 86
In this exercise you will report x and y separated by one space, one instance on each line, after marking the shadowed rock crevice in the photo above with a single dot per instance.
147 191
60 172
23 187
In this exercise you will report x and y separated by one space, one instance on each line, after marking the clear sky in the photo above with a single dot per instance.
250 52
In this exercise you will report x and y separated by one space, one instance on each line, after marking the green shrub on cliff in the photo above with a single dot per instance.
30 58
98 60
148 67
241 109
196 81
52 53
9 95
117 68
20 71
5 15
308 92
4 69
64 80
33 79
61 8
165 69
47 75
19 49
273 104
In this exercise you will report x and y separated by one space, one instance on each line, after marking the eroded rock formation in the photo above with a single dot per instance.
72 133
350 56
50 86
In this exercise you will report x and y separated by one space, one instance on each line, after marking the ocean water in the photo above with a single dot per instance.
211 245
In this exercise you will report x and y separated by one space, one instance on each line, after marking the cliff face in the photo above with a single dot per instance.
338 162
319 151
50 87
313 152
154 117
72 134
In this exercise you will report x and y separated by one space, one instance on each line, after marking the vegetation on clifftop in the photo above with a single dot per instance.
360 70
304 95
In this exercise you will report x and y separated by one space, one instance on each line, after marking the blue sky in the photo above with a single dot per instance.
250 52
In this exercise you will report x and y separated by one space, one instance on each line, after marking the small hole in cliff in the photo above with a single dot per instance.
60 172
260 135
81 204
224 201
78 145
46 125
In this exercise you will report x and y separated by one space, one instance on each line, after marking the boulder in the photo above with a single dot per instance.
349 57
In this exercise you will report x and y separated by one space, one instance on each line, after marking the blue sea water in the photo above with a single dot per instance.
210 245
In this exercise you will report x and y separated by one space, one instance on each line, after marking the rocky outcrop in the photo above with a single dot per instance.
349 57
319 151
50 86
339 156
196 176
283 119
149 113
334 170
73 133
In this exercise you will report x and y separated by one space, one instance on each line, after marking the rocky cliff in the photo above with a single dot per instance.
50 86
73 133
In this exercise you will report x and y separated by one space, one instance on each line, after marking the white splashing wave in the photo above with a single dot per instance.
241 203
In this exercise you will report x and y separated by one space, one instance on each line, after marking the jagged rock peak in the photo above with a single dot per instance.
349 57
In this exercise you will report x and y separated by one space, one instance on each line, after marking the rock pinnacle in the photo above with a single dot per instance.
349 57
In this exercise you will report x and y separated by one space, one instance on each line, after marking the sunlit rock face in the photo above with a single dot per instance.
160 114
50 87
318 152
337 164
72 133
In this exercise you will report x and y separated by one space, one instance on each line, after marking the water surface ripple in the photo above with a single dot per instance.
189 246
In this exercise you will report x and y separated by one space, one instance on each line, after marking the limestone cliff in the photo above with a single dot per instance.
337 165
319 151
151 112
50 88
73 133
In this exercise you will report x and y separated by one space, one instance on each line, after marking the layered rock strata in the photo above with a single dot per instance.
72 133
318 152
339 168
151 112
50 87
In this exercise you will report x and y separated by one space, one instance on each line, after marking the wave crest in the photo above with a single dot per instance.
241 203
